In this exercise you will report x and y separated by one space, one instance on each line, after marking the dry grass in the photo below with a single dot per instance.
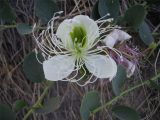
14 85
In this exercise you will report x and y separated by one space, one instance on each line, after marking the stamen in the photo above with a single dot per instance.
114 50
108 14
37 56
76 80
52 43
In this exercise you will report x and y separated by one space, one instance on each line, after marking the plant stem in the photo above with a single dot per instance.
7 26
14 26
107 104
37 103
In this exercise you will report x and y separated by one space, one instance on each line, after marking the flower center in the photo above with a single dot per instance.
78 36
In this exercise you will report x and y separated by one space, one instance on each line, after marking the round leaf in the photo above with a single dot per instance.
118 81
135 15
24 29
45 9
145 34
90 101
125 113
32 68
50 105
19 104
95 13
109 6
6 12
6 113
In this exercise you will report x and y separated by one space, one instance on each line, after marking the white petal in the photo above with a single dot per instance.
64 29
90 26
116 35
131 68
101 66
63 32
109 41
120 35
58 67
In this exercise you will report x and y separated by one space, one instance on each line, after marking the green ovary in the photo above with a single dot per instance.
78 36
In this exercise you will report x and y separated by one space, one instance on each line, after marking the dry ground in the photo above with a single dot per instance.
14 85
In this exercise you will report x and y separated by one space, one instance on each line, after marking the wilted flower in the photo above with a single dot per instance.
120 36
74 47
115 36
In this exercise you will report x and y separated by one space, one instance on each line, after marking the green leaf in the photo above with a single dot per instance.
6 12
6 113
24 29
125 113
118 81
145 33
109 6
45 9
18 105
90 101
32 68
135 15
50 105
95 13
153 1
120 21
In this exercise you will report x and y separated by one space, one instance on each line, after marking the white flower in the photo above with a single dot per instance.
72 47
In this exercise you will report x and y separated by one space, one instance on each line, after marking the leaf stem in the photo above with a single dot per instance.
38 102
107 104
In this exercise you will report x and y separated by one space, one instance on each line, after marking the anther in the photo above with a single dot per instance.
99 48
